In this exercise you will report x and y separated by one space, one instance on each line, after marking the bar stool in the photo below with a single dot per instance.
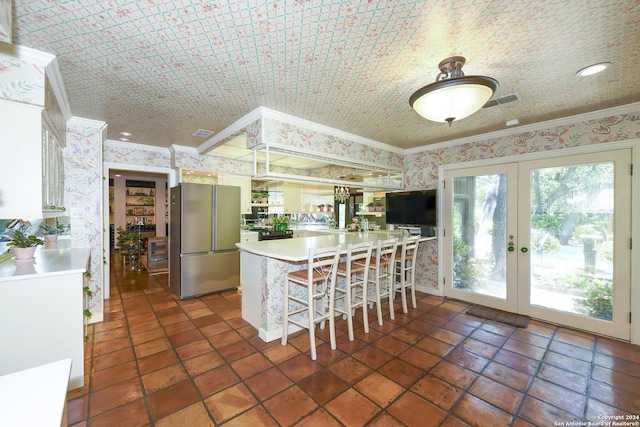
405 270
309 291
380 276
355 271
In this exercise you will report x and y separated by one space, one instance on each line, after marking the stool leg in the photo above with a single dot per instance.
365 314
348 307
378 301
403 295
285 314
413 284
391 293
312 326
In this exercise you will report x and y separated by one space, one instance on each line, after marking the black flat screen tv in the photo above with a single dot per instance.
412 208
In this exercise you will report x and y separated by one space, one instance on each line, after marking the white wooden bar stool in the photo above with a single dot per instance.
355 271
380 276
309 291
405 270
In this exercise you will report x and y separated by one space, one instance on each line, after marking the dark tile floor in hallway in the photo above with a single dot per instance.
159 361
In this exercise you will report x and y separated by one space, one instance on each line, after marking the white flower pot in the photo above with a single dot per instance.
51 238
24 253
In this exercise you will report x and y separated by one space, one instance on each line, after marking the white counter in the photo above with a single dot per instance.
264 266
35 396
297 249
41 310
50 260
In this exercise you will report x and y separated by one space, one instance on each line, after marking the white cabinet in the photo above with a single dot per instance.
248 236
41 308
242 181
32 172
292 197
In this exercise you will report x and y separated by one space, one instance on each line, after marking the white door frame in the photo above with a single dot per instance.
634 144
106 170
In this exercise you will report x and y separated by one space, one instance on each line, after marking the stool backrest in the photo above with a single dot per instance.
410 246
360 254
324 262
385 251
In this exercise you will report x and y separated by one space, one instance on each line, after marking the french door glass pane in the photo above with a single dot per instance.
571 238
479 234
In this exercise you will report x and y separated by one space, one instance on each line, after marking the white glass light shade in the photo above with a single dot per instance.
453 99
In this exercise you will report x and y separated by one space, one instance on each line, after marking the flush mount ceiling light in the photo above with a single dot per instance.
453 96
341 194
593 69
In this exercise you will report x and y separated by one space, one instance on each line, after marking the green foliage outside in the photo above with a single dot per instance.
464 269
596 296
545 243
550 222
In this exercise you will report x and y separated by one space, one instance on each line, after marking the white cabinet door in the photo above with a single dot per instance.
292 197
242 181
32 173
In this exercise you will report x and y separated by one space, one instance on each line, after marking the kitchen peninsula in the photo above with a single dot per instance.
265 264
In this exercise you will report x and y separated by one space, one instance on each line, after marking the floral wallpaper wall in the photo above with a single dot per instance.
279 132
136 156
421 169
21 81
194 161
83 198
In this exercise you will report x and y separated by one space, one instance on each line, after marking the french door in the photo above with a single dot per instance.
547 238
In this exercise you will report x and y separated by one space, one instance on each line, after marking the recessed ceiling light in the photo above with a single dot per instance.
512 122
126 134
593 69
124 139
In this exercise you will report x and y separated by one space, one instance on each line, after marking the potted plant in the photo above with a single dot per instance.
23 244
127 238
370 207
378 206
321 207
281 223
51 233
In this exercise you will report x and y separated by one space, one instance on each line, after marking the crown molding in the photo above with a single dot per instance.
174 148
97 124
110 143
27 54
563 121
55 78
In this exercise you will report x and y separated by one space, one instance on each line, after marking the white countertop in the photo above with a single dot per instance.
36 396
49 260
297 249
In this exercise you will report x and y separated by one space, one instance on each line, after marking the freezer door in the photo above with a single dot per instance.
196 218
227 217
207 273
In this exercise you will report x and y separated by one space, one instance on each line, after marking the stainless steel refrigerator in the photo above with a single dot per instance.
204 227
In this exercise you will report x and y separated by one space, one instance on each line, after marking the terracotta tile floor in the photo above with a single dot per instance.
156 360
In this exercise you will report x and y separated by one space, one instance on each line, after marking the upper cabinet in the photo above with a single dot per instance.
32 173
242 181
32 134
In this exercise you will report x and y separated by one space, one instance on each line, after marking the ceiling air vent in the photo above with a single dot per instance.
502 100
202 133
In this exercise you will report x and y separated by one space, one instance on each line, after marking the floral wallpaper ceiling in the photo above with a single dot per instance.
162 69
